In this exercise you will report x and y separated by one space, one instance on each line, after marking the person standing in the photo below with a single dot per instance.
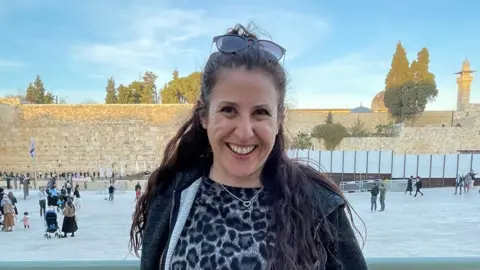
383 191
374 192
69 219
409 185
418 186
26 182
8 213
138 191
68 186
77 198
42 200
111 191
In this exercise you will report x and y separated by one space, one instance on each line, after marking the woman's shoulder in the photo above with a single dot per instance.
180 181
323 193
325 196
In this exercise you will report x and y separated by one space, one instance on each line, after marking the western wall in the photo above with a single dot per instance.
86 137
132 137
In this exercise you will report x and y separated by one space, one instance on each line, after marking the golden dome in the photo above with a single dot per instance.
377 103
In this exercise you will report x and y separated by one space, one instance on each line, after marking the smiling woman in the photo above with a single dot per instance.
226 196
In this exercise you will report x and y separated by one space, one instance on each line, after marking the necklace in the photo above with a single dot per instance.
245 203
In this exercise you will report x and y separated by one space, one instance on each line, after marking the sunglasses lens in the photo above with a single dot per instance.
272 48
230 44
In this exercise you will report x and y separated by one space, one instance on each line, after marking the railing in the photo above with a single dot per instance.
454 263
435 170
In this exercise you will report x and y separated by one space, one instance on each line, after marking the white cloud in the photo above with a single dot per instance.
4 64
161 39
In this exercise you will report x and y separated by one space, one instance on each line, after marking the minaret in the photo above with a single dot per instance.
464 81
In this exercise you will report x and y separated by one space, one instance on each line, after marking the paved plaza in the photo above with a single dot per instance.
437 224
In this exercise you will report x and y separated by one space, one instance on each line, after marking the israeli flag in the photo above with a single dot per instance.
32 149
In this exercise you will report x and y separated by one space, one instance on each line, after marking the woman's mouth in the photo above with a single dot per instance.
241 150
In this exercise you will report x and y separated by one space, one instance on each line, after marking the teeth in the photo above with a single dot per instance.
241 150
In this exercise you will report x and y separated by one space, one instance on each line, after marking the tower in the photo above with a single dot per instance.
464 81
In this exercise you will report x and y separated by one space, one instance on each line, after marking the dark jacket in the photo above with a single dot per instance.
374 190
163 213
418 184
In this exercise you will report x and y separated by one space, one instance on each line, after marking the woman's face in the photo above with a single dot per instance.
242 122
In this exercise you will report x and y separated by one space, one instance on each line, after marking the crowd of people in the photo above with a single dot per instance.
462 183
64 200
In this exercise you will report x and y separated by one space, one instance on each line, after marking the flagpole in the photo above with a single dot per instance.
35 172
35 166
33 156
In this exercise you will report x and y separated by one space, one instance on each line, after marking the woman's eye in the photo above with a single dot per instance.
262 112
228 110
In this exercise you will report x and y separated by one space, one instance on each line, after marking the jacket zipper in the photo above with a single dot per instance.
170 229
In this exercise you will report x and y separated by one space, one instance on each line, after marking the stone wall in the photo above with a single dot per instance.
86 137
435 119
469 116
304 120
425 140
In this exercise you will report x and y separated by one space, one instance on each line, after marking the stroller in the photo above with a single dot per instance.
51 224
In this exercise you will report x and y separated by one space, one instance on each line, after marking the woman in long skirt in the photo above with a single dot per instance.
8 214
69 220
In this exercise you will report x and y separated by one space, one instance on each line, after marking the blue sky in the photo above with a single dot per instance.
338 52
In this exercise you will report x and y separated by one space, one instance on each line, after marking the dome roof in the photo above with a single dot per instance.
360 109
377 102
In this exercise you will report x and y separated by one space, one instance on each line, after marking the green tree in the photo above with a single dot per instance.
111 92
399 69
181 89
125 95
407 101
49 98
329 119
397 75
39 90
150 89
358 129
302 141
136 89
419 69
414 99
36 93
30 93
330 133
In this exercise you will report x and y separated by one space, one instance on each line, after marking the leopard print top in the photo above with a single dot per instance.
222 233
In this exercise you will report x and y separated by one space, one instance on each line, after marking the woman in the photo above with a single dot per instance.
8 213
226 196
14 201
69 220
77 201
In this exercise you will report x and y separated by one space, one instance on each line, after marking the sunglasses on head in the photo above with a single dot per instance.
235 43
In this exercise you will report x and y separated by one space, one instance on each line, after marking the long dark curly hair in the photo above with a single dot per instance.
287 180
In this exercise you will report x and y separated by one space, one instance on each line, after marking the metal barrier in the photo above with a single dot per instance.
366 185
358 186
454 263
396 185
